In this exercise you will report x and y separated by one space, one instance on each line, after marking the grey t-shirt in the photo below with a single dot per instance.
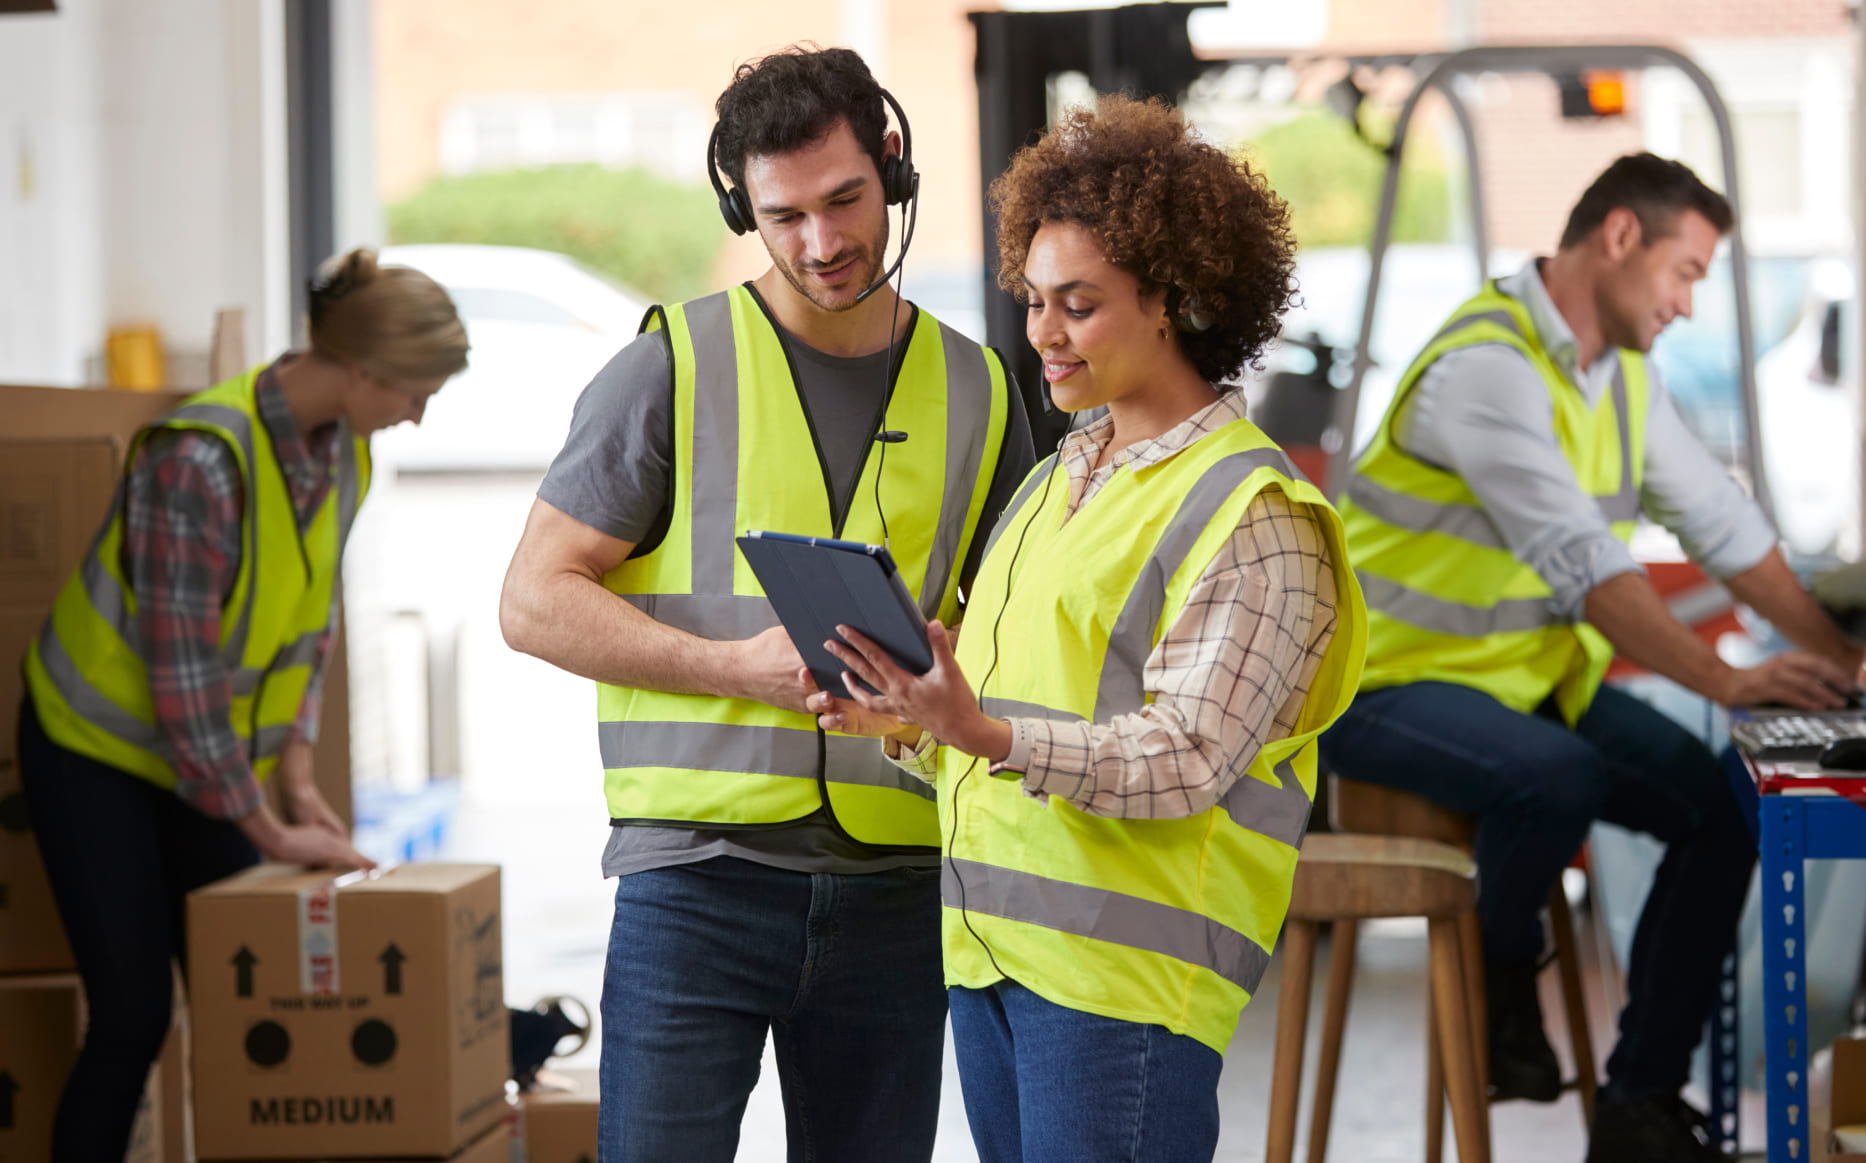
612 475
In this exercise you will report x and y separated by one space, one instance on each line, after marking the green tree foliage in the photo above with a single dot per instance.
1331 180
649 233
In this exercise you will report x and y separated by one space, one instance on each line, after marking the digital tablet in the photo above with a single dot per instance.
817 583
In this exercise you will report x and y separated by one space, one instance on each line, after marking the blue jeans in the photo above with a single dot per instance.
1536 787
843 970
1047 1084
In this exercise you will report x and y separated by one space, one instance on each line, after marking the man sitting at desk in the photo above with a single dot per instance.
1488 521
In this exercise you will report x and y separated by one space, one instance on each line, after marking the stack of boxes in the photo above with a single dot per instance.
560 1118
59 465
356 1017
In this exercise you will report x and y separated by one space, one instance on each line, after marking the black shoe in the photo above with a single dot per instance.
1658 1128
1522 1063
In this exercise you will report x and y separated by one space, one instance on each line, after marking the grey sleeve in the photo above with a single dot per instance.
615 468
1015 460
1690 493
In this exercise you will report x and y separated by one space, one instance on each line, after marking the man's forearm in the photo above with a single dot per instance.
1635 619
1771 589
575 624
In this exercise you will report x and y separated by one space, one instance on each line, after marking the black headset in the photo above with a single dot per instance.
900 182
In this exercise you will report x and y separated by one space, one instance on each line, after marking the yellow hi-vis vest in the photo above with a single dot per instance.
1447 601
85 670
1163 921
744 458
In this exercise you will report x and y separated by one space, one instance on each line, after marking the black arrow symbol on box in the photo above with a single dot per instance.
243 962
8 1088
392 959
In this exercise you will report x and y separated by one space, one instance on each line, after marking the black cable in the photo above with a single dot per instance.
887 371
952 840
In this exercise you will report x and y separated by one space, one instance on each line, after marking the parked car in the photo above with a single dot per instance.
541 326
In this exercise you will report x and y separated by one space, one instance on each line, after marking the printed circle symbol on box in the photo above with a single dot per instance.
373 1043
268 1043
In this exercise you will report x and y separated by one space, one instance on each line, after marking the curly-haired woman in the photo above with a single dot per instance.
1123 744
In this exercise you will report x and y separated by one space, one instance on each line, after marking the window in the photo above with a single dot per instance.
663 132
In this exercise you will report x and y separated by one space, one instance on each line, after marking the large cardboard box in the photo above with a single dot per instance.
40 1018
41 1027
1849 1102
502 1144
350 1017
61 456
560 1124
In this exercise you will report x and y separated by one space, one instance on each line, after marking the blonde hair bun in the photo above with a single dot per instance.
392 321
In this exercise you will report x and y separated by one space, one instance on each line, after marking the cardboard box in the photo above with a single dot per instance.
560 1125
348 1018
1849 1099
53 493
61 455
40 1017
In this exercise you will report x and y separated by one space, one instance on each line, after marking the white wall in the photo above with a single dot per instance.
156 134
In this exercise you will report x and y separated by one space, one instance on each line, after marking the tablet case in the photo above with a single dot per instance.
818 583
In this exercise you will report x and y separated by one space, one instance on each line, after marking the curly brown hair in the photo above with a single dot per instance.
1176 213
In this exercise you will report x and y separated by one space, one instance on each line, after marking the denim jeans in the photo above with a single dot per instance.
844 971
1536 787
1047 1084
122 855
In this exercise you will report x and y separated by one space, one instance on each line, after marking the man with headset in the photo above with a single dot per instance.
770 877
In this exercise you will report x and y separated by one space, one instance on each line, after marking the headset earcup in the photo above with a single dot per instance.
736 209
897 180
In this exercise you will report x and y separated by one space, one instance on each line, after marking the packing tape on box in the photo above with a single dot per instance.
317 939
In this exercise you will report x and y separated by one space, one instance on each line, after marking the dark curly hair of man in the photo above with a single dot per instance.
794 98
1178 214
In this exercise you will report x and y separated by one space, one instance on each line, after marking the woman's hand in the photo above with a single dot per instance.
311 845
849 718
304 804
939 701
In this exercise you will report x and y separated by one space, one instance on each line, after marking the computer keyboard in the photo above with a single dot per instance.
1792 735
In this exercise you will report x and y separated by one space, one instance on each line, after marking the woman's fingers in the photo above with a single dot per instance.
859 664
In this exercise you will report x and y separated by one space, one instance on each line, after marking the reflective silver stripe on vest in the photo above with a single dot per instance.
999 708
1623 505
1104 915
714 482
968 398
1121 690
1038 476
1499 317
1465 522
90 703
782 751
270 742
721 617
1280 813
1455 618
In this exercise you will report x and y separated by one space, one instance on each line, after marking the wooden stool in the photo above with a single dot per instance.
1369 808
1346 879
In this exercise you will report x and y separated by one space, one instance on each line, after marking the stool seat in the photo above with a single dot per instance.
1342 877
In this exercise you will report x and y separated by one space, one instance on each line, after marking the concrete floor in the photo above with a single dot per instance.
557 913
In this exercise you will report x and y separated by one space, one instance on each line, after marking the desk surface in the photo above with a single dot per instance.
1778 777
